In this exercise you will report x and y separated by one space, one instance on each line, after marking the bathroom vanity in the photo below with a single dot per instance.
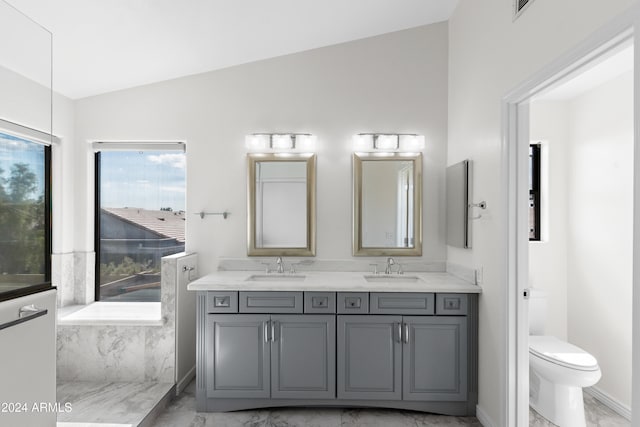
336 339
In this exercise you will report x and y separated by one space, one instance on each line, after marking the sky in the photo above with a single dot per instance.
143 179
138 179
15 150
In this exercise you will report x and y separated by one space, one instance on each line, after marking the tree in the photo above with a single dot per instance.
21 223
22 183
3 192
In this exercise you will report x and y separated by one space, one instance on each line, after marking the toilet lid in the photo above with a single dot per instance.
561 353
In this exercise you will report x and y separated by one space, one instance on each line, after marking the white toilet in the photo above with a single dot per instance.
557 370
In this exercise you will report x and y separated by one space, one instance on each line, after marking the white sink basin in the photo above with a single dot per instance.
391 278
275 278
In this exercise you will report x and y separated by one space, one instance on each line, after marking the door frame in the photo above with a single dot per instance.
514 160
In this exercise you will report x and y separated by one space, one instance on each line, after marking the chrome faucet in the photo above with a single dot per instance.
390 262
280 264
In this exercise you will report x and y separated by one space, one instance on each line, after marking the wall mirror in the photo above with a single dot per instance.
281 212
458 221
387 204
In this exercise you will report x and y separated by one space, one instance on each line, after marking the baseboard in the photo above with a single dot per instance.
610 402
184 382
484 418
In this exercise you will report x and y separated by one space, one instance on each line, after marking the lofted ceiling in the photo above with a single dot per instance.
101 46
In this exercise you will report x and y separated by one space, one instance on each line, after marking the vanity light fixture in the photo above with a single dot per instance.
280 142
388 142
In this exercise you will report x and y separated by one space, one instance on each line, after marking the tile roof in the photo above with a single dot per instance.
166 223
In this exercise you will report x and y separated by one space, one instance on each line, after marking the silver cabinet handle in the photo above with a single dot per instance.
29 310
26 313
273 331
399 324
266 331
406 333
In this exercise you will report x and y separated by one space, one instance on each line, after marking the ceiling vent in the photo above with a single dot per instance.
520 6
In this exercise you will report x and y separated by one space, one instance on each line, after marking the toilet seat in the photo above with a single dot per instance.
561 353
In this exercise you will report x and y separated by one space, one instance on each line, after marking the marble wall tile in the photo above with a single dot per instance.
63 277
159 354
168 282
312 264
84 277
100 353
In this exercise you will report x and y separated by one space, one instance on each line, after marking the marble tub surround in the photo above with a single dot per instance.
112 313
137 346
327 281
112 404
114 353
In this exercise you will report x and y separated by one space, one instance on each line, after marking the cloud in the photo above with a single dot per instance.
175 160
173 188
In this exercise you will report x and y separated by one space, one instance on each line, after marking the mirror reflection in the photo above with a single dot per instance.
387 204
281 204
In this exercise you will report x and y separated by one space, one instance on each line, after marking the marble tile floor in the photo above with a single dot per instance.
596 414
115 403
181 413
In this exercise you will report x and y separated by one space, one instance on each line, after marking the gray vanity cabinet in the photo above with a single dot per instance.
369 357
422 358
434 358
276 356
413 351
303 363
238 357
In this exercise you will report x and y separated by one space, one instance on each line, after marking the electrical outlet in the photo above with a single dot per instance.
479 275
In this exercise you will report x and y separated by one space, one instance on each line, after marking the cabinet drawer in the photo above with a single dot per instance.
353 302
270 302
402 303
222 302
319 302
451 304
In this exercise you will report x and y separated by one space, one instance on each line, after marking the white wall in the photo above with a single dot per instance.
489 55
599 232
29 104
395 83
548 258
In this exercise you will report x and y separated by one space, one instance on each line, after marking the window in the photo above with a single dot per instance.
140 217
25 216
534 192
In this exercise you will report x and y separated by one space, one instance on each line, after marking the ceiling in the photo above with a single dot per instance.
100 46
594 75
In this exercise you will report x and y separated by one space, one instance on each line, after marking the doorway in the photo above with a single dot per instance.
580 244
517 114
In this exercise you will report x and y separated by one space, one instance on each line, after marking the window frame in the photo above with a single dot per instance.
25 133
98 147
535 190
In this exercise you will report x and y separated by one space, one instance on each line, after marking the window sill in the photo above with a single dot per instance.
112 313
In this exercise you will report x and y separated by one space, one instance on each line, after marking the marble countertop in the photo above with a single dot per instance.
332 282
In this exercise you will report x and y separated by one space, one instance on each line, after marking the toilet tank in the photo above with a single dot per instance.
537 311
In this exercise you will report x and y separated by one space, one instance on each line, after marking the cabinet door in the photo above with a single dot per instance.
303 362
369 357
237 356
435 358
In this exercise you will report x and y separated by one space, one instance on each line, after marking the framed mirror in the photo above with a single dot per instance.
281 215
387 204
